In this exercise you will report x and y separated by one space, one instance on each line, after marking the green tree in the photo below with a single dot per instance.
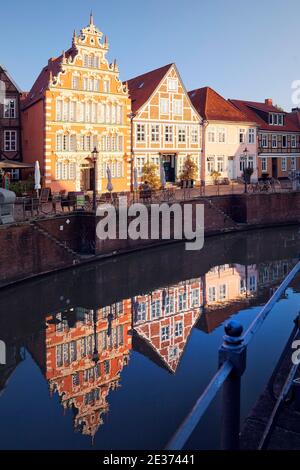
215 176
189 169
150 174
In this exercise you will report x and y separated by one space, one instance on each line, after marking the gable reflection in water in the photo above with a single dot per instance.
82 357
82 352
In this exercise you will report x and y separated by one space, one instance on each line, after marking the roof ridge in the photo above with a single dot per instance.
150 71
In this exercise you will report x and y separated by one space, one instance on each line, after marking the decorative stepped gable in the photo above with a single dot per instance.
77 104
89 39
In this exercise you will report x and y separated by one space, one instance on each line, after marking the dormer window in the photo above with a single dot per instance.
276 119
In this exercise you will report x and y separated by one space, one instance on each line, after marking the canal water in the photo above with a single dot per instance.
113 355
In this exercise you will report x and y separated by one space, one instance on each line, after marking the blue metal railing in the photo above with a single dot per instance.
232 359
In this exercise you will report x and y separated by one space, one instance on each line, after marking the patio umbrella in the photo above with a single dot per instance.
109 186
162 176
135 180
10 164
37 178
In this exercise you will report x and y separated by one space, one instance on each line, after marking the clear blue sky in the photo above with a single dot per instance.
242 49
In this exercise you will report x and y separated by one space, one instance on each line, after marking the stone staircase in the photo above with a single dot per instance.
227 218
63 245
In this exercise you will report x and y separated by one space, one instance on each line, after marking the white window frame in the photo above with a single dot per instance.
165 333
293 163
141 312
211 135
264 141
177 107
283 163
10 143
10 108
182 301
171 82
65 171
164 105
155 133
140 162
168 133
75 82
264 165
178 331
169 304
242 135
140 132
181 134
222 291
195 297
274 141
194 135
251 136
222 135
210 163
212 295
286 141
293 141
155 309
221 163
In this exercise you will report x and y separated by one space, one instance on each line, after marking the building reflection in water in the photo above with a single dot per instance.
82 352
163 321
82 356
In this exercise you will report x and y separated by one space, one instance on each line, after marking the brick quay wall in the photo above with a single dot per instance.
50 244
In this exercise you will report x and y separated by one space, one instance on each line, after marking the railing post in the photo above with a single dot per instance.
233 350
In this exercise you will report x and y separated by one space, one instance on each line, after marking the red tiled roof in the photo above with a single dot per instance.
212 106
38 89
142 87
253 109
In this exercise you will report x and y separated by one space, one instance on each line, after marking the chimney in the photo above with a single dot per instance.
269 101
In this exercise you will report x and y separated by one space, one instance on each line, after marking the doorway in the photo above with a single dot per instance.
275 167
169 164
230 168
87 179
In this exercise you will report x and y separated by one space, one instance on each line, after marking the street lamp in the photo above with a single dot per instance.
95 356
95 154
131 117
244 160
203 156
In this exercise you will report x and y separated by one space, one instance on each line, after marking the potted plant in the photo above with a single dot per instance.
150 174
215 175
188 173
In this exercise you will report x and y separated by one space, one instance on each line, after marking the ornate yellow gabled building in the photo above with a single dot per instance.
76 104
